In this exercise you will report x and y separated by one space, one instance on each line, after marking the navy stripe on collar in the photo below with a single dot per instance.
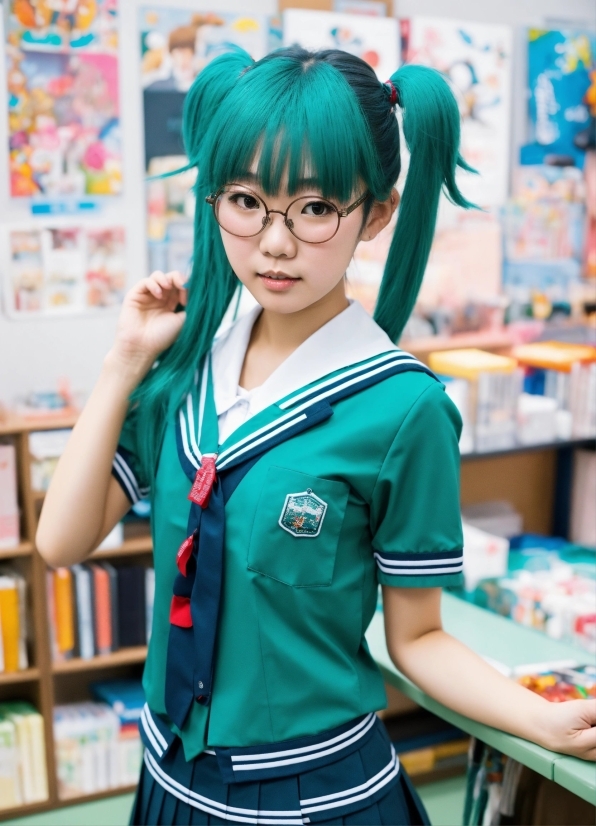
330 392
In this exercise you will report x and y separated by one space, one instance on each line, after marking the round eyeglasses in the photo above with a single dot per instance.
241 212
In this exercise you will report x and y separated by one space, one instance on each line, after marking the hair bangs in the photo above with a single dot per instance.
289 124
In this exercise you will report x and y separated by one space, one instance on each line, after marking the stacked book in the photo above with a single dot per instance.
98 608
13 621
485 387
23 772
565 373
89 757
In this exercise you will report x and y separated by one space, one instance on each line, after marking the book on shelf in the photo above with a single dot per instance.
132 605
126 698
9 509
13 621
95 609
23 774
565 373
98 746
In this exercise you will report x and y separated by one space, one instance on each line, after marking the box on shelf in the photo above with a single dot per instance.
23 771
494 386
495 517
566 373
9 508
537 421
485 555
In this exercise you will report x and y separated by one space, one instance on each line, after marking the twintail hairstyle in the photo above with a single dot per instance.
298 116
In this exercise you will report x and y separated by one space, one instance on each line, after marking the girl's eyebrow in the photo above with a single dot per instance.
300 183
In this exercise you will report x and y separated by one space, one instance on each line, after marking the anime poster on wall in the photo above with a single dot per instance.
374 39
175 45
476 59
63 101
58 270
63 25
559 66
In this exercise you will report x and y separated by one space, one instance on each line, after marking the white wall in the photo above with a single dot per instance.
35 354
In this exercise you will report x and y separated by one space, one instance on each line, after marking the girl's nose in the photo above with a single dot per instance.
276 239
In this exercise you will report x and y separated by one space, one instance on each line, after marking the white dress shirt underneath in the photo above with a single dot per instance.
350 337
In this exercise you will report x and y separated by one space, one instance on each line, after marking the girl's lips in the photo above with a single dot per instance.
277 281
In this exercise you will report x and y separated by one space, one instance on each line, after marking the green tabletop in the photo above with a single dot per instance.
503 641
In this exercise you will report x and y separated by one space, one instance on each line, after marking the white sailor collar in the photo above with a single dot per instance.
350 337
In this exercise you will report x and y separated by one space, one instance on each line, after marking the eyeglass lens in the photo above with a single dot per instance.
240 211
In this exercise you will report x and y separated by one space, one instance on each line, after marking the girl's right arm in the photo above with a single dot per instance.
84 500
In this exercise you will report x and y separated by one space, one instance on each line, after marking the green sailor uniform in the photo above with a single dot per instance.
347 480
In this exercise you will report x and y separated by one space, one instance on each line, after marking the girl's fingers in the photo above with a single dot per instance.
154 288
179 281
163 279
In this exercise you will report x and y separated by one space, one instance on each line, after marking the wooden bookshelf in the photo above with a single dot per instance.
22 549
38 681
59 803
124 656
26 675
130 547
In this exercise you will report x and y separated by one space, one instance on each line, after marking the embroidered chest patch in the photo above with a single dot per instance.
303 514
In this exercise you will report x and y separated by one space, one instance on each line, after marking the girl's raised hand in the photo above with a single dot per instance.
148 323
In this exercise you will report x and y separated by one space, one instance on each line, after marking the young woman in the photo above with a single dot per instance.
319 459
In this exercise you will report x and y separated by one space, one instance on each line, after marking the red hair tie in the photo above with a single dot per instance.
393 99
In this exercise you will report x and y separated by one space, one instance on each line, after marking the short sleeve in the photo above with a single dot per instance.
126 466
415 508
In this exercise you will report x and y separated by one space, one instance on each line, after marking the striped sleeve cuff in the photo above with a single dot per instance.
420 570
125 476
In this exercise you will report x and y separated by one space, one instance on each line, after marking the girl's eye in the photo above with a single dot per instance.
244 201
317 209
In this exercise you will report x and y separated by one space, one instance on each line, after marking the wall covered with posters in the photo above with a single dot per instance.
105 161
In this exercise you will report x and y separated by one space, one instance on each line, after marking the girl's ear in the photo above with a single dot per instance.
379 216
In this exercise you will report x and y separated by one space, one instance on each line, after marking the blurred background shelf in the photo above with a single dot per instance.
27 675
130 547
571 444
125 656
22 549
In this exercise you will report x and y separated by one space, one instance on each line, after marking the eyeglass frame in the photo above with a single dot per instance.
341 213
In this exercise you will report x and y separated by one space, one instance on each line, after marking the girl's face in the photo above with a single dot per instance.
285 274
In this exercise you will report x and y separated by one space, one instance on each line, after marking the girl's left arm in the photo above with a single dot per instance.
461 680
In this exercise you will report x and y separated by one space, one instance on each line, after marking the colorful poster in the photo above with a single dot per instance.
177 43
64 124
559 65
374 39
476 59
58 270
63 25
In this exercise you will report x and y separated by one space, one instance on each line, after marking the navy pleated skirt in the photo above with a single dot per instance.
367 786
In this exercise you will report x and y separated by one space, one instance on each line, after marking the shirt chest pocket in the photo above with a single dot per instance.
296 528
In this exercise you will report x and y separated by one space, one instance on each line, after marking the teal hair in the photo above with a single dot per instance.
296 115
